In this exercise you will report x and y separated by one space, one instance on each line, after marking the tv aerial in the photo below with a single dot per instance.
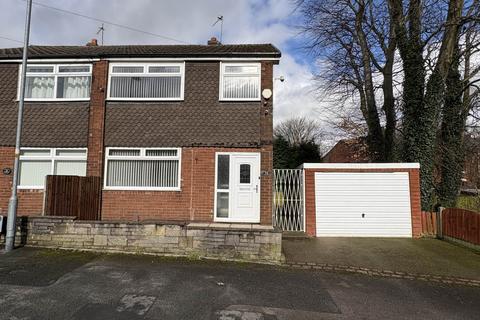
219 19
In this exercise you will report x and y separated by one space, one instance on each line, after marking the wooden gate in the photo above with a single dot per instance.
73 196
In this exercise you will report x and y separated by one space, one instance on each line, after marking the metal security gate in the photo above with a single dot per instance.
288 199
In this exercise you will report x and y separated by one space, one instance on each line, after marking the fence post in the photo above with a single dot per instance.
440 222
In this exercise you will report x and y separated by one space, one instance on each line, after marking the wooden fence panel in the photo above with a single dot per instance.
429 223
461 224
73 196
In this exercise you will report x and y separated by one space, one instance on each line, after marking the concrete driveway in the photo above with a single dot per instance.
416 256
38 284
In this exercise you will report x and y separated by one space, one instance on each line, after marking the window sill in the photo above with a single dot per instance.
55 100
145 99
29 188
240 100
232 220
141 189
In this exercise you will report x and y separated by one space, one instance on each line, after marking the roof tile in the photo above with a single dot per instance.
238 50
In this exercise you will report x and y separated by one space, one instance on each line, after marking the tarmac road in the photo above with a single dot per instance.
47 284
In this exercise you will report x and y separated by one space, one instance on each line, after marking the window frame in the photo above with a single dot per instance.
217 190
146 66
52 157
55 74
223 65
143 156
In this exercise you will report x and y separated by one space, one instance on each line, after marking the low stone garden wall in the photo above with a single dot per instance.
243 242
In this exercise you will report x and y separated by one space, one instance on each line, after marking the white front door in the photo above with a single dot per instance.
237 187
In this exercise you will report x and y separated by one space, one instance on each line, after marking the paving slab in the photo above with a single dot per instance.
419 256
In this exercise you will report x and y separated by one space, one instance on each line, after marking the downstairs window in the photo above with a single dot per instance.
143 169
37 163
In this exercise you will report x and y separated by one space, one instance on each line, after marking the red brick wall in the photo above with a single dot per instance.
96 122
414 176
266 138
195 200
6 161
30 202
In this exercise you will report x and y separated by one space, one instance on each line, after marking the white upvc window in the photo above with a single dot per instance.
240 81
52 82
143 169
146 81
37 163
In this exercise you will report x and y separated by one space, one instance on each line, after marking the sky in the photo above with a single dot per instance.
190 21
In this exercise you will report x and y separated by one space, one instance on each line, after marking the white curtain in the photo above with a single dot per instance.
73 87
40 87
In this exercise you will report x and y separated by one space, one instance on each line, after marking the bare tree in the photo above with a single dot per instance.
424 96
299 130
355 39
461 98
357 42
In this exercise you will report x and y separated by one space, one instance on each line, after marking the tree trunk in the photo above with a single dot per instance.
421 110
375 138
452 147
389 100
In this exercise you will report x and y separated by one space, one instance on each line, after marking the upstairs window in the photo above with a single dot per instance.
58 82
240 81
149 81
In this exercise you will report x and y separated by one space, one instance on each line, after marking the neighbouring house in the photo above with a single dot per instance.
471 175
177 132
348 151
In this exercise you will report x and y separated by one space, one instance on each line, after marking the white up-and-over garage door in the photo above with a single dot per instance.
363 204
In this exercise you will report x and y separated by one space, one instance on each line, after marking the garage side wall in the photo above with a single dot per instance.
414 180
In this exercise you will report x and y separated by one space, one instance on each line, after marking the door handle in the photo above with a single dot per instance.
256 188
363 215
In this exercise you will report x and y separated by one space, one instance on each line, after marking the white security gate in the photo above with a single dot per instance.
356 204
288 199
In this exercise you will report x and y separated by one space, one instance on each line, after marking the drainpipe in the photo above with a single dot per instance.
12 203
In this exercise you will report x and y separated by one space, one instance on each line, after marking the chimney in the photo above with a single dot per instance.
92 43
213 42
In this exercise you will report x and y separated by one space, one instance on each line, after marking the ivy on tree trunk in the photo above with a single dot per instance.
451 146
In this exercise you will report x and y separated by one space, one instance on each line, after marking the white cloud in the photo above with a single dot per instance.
249 21
296 95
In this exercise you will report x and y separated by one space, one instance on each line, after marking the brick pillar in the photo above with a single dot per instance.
96 124
266 140
309 214
416 211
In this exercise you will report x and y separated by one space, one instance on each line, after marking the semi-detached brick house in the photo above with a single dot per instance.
177 132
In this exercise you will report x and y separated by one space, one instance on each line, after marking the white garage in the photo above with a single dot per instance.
363 200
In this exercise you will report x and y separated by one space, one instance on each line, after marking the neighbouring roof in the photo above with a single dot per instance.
139 51
348 151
